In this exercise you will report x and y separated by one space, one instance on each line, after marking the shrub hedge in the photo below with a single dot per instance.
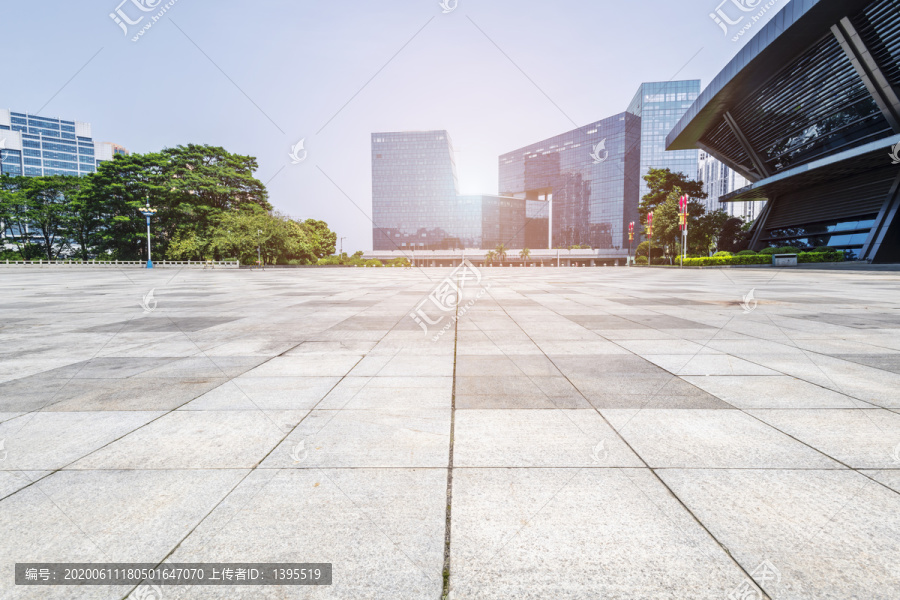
762 259
820 257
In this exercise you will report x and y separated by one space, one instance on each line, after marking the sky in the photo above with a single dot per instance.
258 77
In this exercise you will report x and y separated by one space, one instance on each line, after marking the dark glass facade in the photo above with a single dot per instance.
416 203
590 178
660 106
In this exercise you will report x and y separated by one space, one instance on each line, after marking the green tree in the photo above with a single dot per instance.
85 223
666 229
118 189
400 261
707 232
14 216
48 211
250 231
643 248
322 241
500 251
662 182
490 256
190 186
524 253
734 235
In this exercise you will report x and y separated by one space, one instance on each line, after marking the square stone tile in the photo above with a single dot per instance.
382 530
690 438
134 393
887 477
537 438
615 533
311 365
266 393
749 391
139 517
590 366
110 367
198 440
830 534
538 365
404 365
517 392
390 393
411 438
204 366
657 390
859 438
708 364
13 481
51 440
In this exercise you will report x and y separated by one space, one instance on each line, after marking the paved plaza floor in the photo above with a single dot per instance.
604 433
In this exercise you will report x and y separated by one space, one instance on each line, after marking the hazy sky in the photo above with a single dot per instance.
256 77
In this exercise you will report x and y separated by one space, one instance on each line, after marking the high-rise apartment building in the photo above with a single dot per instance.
719 180
31 145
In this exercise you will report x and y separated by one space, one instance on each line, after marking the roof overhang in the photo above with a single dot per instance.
794 29
872 156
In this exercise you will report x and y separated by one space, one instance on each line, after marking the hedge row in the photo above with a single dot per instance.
761 259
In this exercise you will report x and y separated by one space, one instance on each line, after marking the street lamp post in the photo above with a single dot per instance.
649 239
258 250
148 212
342 247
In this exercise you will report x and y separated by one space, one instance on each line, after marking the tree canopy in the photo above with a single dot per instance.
662 182
209 206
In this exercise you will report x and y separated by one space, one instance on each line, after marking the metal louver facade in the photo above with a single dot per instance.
809 113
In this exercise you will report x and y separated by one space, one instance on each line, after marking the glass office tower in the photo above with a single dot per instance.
415 190
416 203
582 185
660 106
32 146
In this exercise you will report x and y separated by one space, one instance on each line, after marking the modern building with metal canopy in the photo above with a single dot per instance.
808 112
